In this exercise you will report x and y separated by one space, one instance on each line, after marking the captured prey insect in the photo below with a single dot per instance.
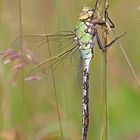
36 51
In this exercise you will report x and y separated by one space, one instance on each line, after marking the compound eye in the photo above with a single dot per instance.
90 13
93 10
86 13
85 9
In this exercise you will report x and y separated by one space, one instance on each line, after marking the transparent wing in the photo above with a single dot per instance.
38 42
49 55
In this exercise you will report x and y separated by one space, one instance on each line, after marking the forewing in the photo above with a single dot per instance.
48 55
38 43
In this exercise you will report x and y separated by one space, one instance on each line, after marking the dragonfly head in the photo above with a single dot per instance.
86 13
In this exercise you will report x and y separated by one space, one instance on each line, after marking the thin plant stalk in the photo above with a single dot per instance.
101 7
128 61
130 65
105 99
55 94
22 71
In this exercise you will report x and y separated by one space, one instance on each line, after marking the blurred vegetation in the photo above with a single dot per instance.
31 114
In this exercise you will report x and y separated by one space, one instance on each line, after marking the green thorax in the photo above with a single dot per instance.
84 38
81 33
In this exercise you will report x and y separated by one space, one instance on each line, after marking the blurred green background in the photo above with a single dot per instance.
31 113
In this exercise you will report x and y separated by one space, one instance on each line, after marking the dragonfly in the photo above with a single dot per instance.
42 54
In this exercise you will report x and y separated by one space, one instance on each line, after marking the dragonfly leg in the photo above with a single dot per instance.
112 25
108 45
99 42
102 22
113 41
